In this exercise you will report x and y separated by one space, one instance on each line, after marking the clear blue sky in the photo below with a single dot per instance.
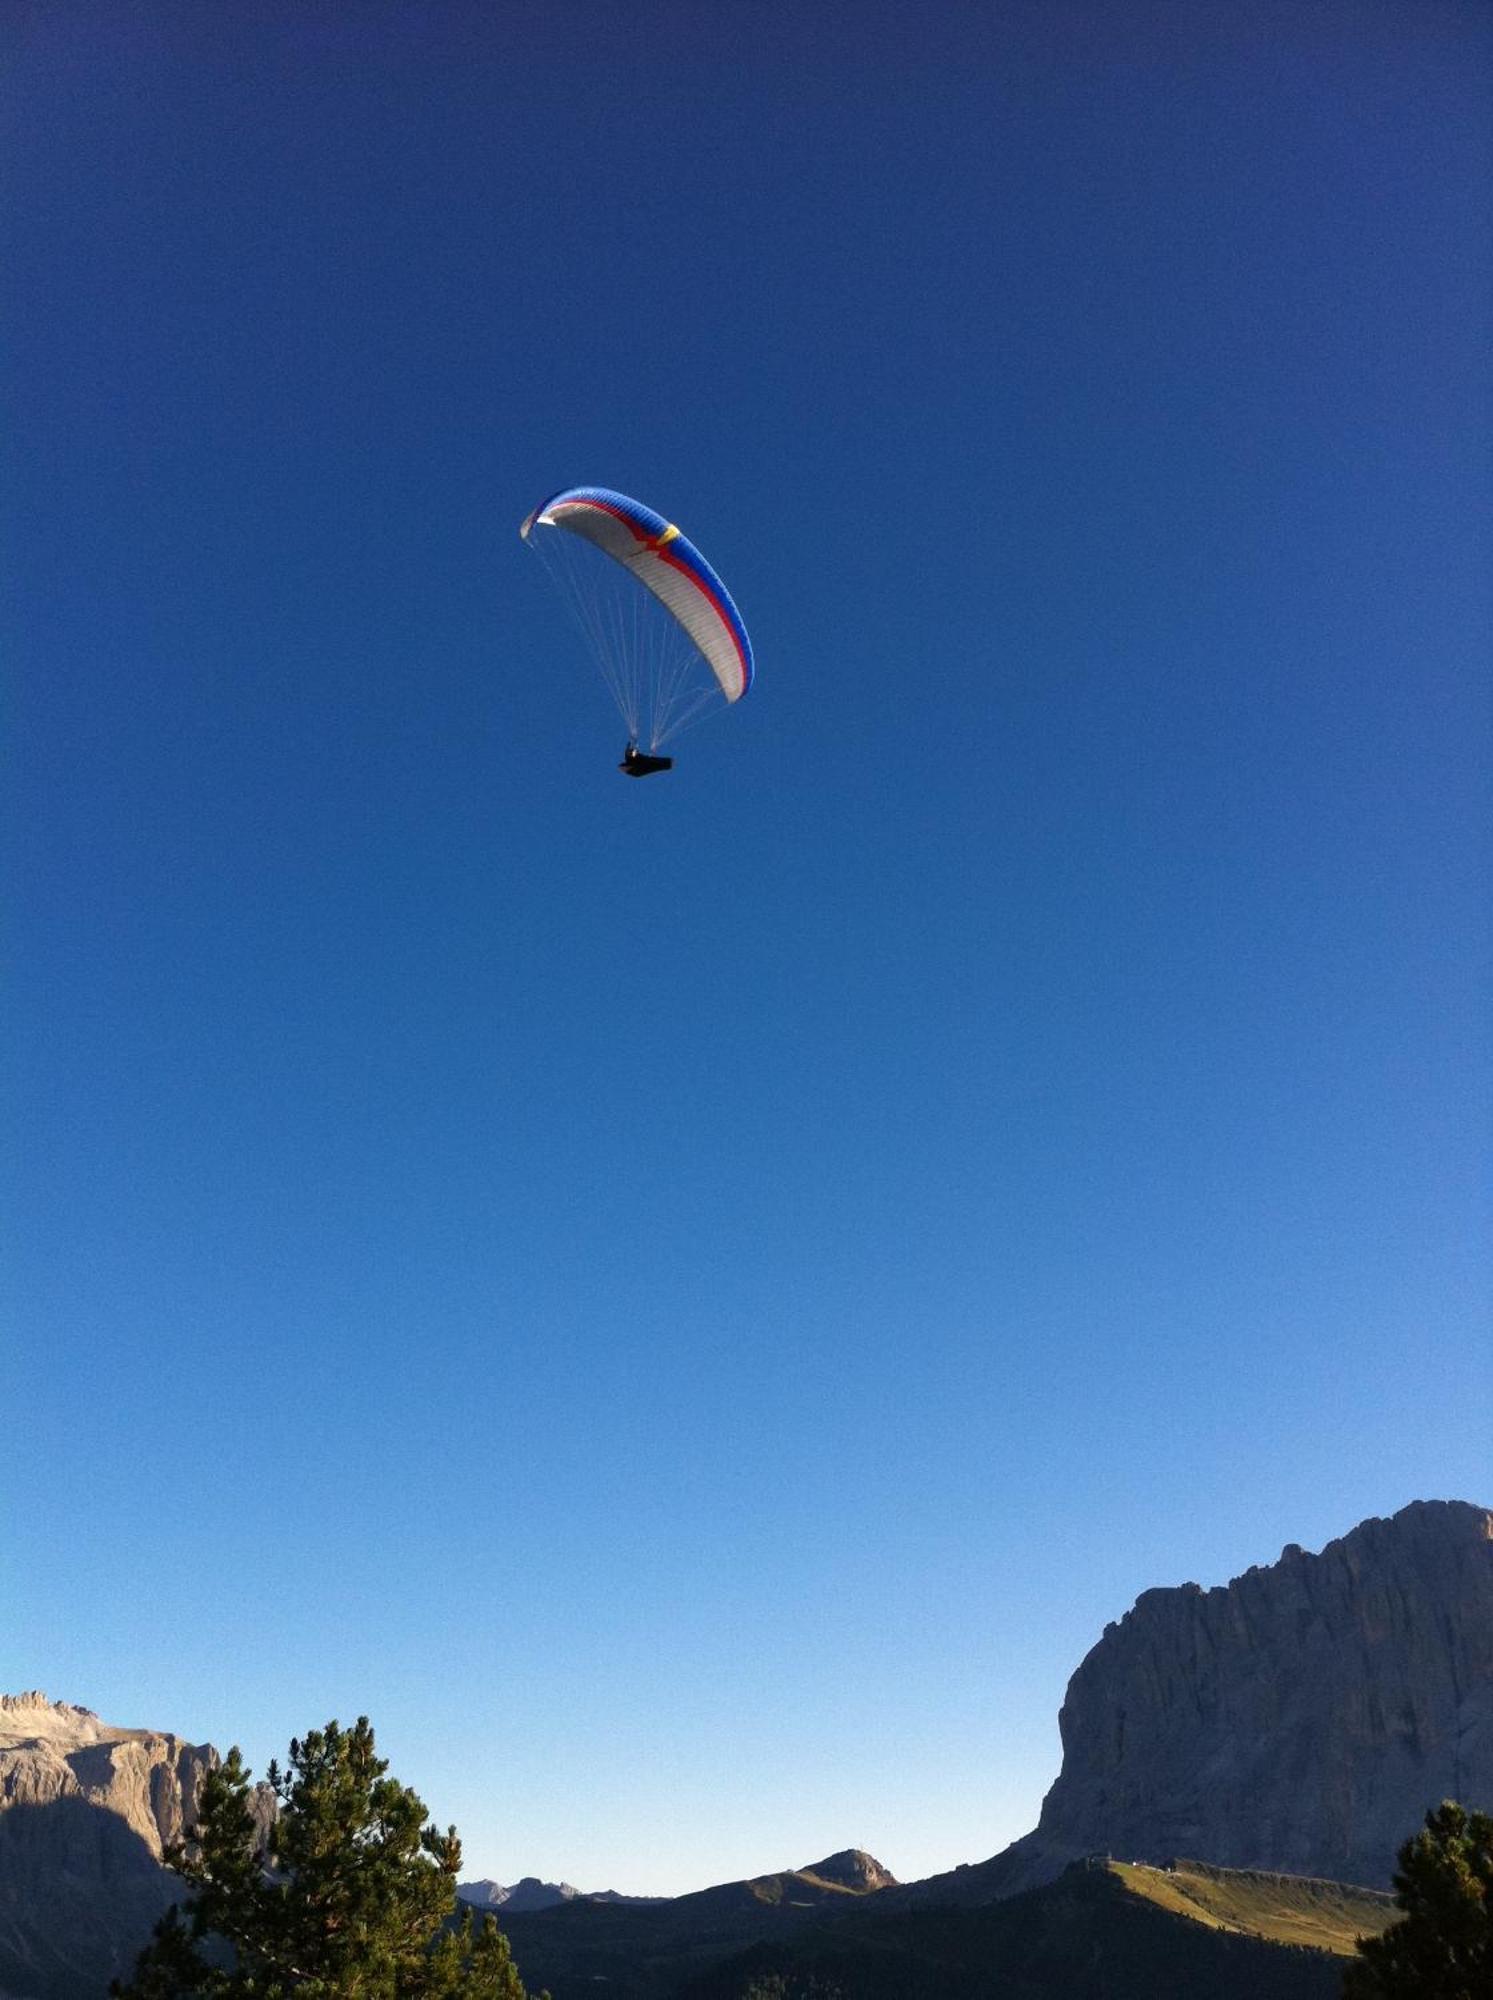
693 1303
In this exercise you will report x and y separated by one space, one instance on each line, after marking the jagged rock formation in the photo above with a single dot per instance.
1301 1718
86 1811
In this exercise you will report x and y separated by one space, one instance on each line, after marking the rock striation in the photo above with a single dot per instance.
50 1750
1302 1718
86 1812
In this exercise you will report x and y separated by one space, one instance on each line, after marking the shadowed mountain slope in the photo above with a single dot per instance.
649 1949
1101 1932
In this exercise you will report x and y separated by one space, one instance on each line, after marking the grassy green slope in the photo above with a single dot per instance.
1287 1909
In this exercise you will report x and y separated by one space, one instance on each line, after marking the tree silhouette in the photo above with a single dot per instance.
1442 1948
344 1893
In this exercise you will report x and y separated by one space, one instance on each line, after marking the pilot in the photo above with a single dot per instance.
637 765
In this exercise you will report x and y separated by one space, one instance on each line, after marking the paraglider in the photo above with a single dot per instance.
660 623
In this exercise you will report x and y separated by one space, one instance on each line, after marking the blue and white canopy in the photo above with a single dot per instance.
654 552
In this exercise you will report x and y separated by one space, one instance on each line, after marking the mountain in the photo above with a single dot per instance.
528 1894
85 1813
851 1872
1302 1718
1100 1932
532 1894
842 1929
650 1950
1296 1722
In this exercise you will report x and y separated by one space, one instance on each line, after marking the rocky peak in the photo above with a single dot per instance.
34 1698
31 1716
852 1868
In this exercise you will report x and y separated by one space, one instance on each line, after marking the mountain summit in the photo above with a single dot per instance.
852 1868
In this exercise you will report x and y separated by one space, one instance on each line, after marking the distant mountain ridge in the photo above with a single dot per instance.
582 1947
1102 1929
531 1894
852 1871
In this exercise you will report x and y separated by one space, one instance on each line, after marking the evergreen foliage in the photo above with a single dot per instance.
347 1894
1442 1948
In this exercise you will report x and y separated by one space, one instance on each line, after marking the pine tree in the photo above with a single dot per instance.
1442 1948
347 1895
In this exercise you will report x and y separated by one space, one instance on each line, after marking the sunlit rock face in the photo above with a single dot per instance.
86 1811
1302 1717
50 1750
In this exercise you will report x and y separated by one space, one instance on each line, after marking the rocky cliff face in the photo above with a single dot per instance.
86 1811
1301 1718
50 1751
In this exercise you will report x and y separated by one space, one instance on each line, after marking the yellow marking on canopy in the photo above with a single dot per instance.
666 537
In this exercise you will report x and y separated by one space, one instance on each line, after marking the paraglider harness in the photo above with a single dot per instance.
637 764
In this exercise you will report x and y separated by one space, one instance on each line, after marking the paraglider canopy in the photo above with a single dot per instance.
665 631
